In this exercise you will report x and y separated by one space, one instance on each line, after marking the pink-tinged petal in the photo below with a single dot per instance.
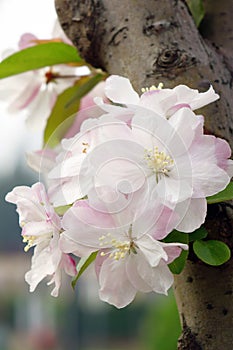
184 123
27 40
222 153
68 245
176 108
27 95
42 161
83 114
65 191
165 224
56 279
204 99
37 228
152 250
118 165
115 288
85 226
41 267
192 212
193 97
133 275
69 265
173 250
159 278
68 167
119 90
208 180
158 101
171 191
39 110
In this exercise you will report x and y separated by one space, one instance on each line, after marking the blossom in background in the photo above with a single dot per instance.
164 102
130 256
41 229
35 92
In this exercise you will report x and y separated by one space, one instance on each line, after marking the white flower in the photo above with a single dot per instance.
130 256
164 102
41 228
170 159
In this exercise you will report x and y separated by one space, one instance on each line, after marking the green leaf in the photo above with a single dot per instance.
178 264
177 236
198 234
82 266
197 9
39 56
225 195
212 252
62 209
66 108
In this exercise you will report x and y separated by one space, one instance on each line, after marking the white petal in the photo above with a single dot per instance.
119 90
159 278
152 250
115 288
192 213
133 275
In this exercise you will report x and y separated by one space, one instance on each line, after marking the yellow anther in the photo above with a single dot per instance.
159 162
86 145
152 88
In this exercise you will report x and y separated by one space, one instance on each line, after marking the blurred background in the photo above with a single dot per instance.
76 319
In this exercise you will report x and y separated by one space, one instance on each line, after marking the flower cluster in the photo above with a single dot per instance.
132 174
34 92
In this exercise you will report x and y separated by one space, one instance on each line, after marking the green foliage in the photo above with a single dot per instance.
197 9
62 209
225 195
198 234
178 264
162 325
65 109
39 56
212 252
82 266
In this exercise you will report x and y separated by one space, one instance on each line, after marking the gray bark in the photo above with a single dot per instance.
151 42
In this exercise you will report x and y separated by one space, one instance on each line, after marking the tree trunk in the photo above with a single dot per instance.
151 42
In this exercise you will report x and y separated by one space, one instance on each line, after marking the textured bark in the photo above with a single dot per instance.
154 41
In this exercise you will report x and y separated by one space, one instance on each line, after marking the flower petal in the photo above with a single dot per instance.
119 90
115 288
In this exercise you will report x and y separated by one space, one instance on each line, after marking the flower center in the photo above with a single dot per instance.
159 162
118 249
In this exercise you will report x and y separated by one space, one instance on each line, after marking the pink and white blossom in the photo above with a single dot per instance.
41 228
170 159
164 102
130 256
70 176
34 93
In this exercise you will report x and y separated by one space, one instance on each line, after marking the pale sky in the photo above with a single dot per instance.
18 17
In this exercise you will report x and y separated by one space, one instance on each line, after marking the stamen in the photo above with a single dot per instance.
30 240
159 162
152 88
86 145
119 248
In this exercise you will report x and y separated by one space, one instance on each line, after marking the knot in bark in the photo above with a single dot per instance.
171 61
